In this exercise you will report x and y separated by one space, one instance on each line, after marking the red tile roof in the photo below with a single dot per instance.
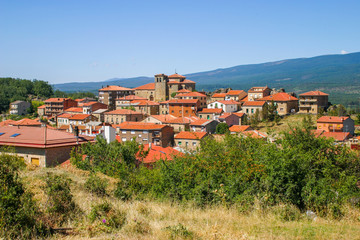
228 102
73 109
149 86
255 89
183 91
157 153
331 119
7 122
211 110
239 128
182 120
115 88
35 137
144 103
140 126
183 101
235 92
254 103
164 117
65 115
131 97
190 135
26 122
314 93
219 95
254 134
239 114
122 112
92 103
176 76
245 99
56 99
80 117
200 122
338 136
279 97
41 107
191 94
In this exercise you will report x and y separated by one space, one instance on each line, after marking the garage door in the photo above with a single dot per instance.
35 161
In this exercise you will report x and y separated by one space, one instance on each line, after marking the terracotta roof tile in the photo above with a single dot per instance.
183 101
235 92
201 122
331 119
115 88
65 115
191 94
279 97
190 135
183 91
314 93
131 97
338 136
26 122
73 109
211 110
41 107
80 117
239 128
254 103
157 153
122 112
139 126
7 122
176 76
219 95
56 99
144 103
149 86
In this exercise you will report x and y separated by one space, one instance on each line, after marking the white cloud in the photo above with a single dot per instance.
343 52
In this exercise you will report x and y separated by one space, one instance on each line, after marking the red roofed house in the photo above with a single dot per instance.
210 113
250 107
238 129
90 107
189 140
109 94
41 110
63 119
236 95
218 97
337 136
183 107
146 107
55 106
226 105
126 100
336 124
255 93
144 133
232 118
151 154
74 110
81 119
164 87
26 122
39 145
285 103
203 125
122 115
313 101
193 95
178 123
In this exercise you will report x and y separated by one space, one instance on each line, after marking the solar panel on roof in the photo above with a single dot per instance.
162 152
2 134
15 135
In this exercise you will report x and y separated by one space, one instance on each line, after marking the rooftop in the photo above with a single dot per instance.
56 99
73 109
254 103
79 117
183 101
219 95
190 135
177 76
122 112
211 110
201 122
115 88
26 122
314 93
235 92
239 128
149 86
331 119
337 136
157 153
279 97
139 126
191 94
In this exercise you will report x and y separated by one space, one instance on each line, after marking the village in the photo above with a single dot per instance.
167 116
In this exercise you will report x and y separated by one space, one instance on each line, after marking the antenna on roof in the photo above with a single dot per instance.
175 71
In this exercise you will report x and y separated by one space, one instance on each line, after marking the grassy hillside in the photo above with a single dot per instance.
147 219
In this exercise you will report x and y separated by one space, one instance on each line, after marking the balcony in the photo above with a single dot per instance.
309 100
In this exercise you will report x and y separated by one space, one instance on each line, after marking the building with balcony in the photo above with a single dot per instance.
145 133
122 115
19 107
311 102
335 124
194 95
226 105
285 103
55 106
258 92
236 95
183 107
109 94
189 140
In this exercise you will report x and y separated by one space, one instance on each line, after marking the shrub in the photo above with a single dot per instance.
96 185
60 204
20 217
179 231
106 215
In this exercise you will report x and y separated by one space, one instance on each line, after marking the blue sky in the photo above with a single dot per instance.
74 40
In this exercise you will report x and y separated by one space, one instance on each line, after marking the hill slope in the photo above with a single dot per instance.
338 75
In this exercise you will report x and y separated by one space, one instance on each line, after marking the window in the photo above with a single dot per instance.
145 132
200 116
132 132
252 110
179 143
123 132
186 111
140 136
247 110
145 139
194 143
123 139
208 117
186 143
15 135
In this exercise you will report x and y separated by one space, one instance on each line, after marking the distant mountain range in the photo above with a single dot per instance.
338 75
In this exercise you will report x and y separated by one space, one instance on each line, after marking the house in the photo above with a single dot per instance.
189 140
81 101
232 118
74 110
122 115
313 101
226 105
164 107
236 95
90 107
164 87
109 94
55 106
125 101
285 103
239 128
41 110
81 119
179 124
63 119
183 107
26 122
145 133
19 107
250 107
193 95
254 134
145 107
150 154
99 114
210 113
40 146
336 124
203 125
218 97
255 93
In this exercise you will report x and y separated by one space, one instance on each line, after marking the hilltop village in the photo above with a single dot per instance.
167 116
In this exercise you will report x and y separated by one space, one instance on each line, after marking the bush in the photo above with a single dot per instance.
20 217
179 231
60 204
96 185
106 215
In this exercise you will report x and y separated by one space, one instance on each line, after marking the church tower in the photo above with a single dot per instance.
161 87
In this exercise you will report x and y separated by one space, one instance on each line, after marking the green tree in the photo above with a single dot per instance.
222 128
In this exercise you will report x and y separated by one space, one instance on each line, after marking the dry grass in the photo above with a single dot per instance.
153 220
